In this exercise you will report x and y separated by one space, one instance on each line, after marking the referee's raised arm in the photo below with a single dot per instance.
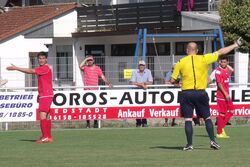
229 48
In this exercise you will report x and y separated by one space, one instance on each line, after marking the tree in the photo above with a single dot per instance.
235 21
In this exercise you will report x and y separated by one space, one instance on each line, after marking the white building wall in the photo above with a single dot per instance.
16 51
64 26
241 68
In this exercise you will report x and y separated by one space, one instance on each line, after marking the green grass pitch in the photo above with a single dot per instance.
127 147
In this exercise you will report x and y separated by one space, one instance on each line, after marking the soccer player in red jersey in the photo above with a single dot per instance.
92 73
224 102
45 94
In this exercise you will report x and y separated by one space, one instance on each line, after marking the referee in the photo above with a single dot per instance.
193 70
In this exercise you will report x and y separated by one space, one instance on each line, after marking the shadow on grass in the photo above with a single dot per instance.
168 147
27 140
199 147
201 135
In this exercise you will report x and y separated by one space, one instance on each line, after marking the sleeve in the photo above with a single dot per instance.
99 72
176 71
168 76
218 76
133 78
211 57
42 70
83 68
150 78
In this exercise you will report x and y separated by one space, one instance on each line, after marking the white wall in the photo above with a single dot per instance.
241 68
65 25
16 51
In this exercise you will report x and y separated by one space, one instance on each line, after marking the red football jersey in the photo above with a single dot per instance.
222 76
44 74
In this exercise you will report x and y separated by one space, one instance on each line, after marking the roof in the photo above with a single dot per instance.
18 19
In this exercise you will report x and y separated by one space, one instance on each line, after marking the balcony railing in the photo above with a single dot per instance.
213 5
129 17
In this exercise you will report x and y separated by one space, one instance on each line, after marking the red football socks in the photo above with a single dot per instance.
49 128
227 118
220 124
43 126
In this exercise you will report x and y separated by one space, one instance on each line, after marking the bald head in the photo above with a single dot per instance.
192 48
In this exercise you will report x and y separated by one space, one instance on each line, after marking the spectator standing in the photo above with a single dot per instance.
141 77
91 75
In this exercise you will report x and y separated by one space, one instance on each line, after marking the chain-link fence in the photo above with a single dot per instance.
64 69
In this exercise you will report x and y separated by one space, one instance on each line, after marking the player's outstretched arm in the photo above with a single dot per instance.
24 70
229 48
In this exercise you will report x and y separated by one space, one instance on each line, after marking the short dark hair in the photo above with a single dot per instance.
224 58
42 54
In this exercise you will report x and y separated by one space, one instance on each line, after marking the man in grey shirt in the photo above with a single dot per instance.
141 77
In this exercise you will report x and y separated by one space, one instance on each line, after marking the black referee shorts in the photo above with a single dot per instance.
194 99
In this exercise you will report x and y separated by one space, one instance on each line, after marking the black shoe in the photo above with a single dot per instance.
174 124
95 125
88 125
228 123
188 148
165 124
214 145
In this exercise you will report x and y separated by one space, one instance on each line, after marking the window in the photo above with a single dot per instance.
122 49
180 47
162 49
64 62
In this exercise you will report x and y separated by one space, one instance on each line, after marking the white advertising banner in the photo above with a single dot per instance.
18 106
110 104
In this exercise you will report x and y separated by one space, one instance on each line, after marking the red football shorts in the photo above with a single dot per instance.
44 104
224 106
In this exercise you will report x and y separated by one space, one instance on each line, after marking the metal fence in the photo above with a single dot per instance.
213 5
64 72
